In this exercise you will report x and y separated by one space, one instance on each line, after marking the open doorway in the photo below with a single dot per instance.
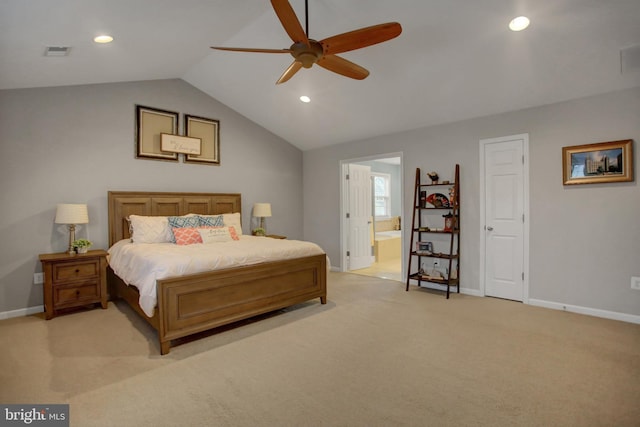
371 208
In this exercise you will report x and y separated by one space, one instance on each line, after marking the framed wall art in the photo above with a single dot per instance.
598 163
150 124
208 130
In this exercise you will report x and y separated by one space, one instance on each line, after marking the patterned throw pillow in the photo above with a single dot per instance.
187 235
182 222
211 220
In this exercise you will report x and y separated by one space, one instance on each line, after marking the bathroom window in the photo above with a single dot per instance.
381 194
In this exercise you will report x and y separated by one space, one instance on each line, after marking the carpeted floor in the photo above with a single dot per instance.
374 355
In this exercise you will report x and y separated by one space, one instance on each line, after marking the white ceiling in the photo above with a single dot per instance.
455 59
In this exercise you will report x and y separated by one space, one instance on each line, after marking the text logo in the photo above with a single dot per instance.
34 415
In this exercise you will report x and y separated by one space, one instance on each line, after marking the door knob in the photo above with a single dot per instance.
490 228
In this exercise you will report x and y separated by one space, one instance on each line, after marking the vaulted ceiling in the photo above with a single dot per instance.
455 59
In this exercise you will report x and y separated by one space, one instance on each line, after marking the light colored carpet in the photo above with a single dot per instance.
374 355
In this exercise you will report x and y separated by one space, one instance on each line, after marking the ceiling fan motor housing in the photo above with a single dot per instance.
307 55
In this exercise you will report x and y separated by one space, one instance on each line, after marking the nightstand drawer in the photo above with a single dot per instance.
75 271
66 295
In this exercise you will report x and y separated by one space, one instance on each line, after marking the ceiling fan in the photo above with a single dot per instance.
307 52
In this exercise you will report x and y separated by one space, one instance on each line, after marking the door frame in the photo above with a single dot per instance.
344 203
482 196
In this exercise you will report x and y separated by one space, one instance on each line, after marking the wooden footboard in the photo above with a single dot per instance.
199 302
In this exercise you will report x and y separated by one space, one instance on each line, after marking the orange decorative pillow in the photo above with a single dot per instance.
187 235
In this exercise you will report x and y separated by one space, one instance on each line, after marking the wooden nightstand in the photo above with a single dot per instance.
74 280
275 236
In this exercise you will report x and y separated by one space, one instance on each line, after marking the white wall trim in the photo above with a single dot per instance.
21 312
472 292
613 315
595 312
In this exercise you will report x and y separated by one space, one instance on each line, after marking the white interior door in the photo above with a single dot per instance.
360 241
504 218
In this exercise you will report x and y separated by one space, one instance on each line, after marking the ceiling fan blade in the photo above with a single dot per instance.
289 21
361 38
289 72
243 49
342 66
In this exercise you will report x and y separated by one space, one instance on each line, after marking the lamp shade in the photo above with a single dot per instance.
72 214
262 210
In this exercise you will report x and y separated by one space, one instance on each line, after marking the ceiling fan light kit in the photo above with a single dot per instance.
306 51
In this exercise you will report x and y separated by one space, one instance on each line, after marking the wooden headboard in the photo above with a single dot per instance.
125 203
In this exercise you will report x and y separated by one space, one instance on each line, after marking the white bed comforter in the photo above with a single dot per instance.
141 264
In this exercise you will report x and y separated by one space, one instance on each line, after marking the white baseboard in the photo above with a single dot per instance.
472 292
613 315
21 312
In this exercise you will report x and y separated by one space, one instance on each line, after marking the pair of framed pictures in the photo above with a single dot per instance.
157 137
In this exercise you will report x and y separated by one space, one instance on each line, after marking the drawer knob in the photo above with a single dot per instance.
77 270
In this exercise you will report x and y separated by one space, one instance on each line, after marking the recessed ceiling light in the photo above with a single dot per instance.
305 98
103 39
519 23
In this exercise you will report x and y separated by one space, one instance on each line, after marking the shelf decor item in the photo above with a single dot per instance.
434 177
598 163
438 200
449 221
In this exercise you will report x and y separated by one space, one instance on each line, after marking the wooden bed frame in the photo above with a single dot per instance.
199 302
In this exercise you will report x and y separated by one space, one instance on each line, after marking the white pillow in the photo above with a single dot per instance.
215 234
230 220
150 229
233 220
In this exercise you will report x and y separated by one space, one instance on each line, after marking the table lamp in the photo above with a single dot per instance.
262 211
71 214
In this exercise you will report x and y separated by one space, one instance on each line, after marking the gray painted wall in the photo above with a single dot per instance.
585 240
73 144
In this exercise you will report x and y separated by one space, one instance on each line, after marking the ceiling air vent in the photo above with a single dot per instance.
630 59
57 51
